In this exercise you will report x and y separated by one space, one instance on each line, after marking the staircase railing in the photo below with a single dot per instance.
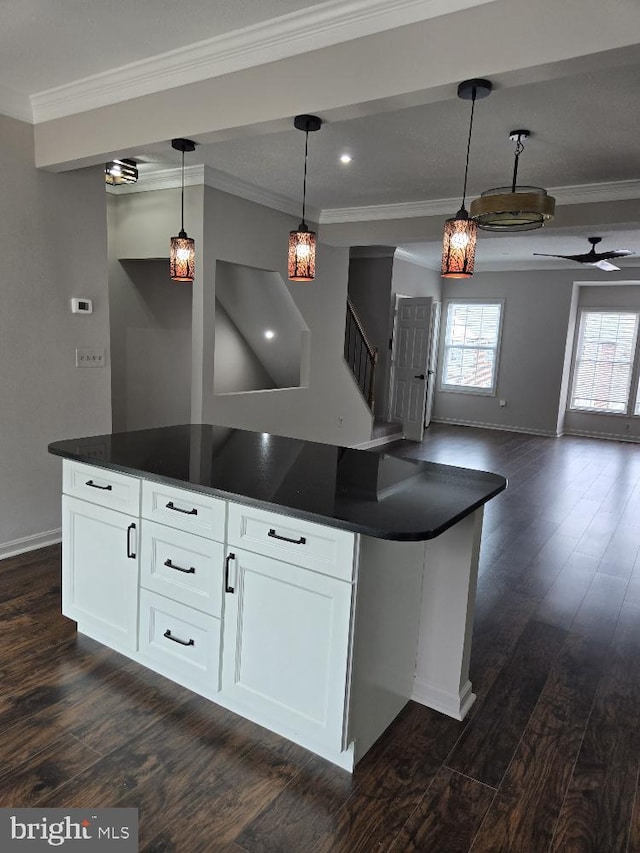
359 354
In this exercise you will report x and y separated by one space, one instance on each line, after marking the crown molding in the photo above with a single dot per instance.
287 35
199 175
15 105
583 194
412 258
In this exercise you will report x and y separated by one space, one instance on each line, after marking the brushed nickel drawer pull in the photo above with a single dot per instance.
301 541
169 636
193 511
96 486
171 565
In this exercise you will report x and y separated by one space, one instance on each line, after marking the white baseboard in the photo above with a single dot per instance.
549 433
610 436
378 442
30 543
451 704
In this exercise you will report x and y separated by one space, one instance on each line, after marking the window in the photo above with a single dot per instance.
472 336
604 362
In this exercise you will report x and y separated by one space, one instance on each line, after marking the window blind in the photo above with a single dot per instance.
471 344
604 360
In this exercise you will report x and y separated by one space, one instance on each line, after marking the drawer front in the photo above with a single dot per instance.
101 486
303 543
192 512
182 566
180 642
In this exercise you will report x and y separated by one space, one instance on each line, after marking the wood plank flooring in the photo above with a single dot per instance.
548 759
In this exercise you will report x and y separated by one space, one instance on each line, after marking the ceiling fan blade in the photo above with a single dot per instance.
604 265
614 253
564 257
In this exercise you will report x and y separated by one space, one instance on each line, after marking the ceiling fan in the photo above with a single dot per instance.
593 258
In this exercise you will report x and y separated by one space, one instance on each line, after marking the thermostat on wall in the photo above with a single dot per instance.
81 306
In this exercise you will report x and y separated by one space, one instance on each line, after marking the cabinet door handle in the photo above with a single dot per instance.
301 541
171 505
130 551
169 636
171 565
228 588
96 486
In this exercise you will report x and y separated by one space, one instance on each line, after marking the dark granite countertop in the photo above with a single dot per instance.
365 491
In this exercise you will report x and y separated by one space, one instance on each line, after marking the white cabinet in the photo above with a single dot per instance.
100 572
287 647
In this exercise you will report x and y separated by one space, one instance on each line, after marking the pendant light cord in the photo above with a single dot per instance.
304 183
466 167
182 198
519 150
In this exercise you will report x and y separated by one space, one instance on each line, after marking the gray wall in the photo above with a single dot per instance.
150 343
53 247
237 367
327 407
538 318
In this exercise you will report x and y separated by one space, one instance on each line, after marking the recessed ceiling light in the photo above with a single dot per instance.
269 334
346 158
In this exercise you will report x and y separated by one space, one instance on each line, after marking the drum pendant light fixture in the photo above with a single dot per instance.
514 208
302 243
460 232
183 248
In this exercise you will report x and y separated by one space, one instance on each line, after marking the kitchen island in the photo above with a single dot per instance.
310 588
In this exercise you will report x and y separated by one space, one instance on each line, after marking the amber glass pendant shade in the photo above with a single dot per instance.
301 262
461 232
182 258
459 246
302 254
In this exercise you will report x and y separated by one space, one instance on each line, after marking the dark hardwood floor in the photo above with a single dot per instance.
547 760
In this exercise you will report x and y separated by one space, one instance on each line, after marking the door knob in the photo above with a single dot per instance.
420 376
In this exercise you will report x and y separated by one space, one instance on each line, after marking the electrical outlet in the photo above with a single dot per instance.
503 403
90 356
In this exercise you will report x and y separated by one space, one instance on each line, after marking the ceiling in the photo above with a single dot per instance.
584 125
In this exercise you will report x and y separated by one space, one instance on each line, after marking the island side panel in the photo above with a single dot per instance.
446 623
385 636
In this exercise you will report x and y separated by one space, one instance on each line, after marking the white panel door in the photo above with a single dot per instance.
286 647
410 364
100 572
432 363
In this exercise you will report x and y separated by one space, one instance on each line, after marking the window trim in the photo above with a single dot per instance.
468 389
634 384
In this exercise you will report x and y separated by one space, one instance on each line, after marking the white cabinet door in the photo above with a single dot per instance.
100 572
286 647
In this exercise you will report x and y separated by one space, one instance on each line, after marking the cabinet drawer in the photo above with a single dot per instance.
180 642
185 510
101 486
182 566
314 546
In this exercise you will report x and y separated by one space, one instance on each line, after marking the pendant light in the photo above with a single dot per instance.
183 248
514 208
460 232
302 243
120 172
